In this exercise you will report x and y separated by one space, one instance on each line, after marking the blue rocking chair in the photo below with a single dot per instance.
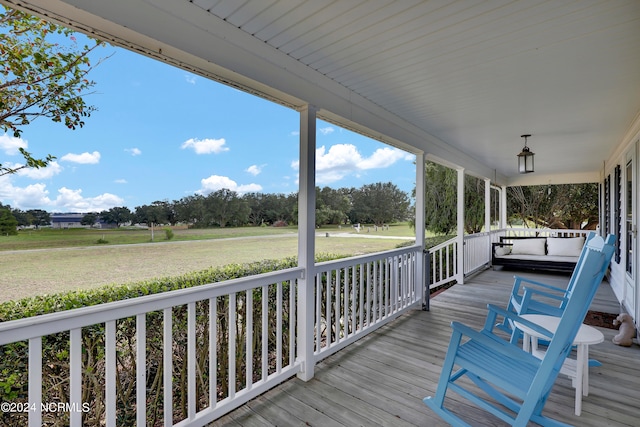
515 385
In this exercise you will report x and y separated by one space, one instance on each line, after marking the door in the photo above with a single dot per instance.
630 231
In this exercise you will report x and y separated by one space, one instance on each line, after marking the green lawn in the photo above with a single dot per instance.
59 238
74 237
48 261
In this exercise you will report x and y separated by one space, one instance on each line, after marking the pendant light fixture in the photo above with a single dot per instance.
525 158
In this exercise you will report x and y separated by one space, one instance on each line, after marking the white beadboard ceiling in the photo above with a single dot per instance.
461 80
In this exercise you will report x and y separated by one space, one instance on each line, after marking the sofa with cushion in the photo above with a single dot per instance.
537 253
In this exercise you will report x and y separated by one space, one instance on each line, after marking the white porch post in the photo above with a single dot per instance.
306 240
487 205
460 228
420 217
503 207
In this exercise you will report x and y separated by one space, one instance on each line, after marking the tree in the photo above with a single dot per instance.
8 223
90 219
440 192
191 210
474 204
38 217
441 200
226 208
572 206
43 74
332 206
378 204
154 214
117 216
271 208
578 206
255 202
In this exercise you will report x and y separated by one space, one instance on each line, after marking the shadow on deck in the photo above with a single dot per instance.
382 379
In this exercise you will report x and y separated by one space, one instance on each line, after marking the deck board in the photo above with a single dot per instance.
382 379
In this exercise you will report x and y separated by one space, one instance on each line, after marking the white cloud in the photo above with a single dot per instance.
382 158
217 182
52 169
11 144
73 201
120 181
33 196
326 130
206 146
36 196
254 169
84 158
295 133
342 160
133 151
191 79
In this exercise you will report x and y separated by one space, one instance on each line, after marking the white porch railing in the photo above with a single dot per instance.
200 352
234 340
443 263
477 251
357 295
541 232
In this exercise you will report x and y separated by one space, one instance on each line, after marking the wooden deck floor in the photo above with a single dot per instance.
382 379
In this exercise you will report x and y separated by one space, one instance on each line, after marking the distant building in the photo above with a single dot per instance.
67 220
73 220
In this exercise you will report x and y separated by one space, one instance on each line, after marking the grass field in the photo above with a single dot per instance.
49 261
74 237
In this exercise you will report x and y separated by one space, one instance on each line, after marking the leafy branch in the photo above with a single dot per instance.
43 73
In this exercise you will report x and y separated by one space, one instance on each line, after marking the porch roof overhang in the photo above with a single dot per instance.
459 81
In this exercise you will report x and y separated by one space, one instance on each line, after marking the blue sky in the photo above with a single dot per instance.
161 133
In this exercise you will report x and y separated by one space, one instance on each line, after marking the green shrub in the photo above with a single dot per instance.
168 233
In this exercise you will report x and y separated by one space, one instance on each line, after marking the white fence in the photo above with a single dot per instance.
443 263
357 295
199 352
477 252
541 232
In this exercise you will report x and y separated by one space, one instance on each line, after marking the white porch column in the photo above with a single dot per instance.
306 239
487 205
420 228
503 207
460 228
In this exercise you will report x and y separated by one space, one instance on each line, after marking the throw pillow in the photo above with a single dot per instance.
529 246
565 246
503 250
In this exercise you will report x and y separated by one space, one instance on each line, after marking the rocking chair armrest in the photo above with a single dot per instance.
520 280
529 302
495 311
532 291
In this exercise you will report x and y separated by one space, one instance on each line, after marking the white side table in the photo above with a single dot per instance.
577 370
